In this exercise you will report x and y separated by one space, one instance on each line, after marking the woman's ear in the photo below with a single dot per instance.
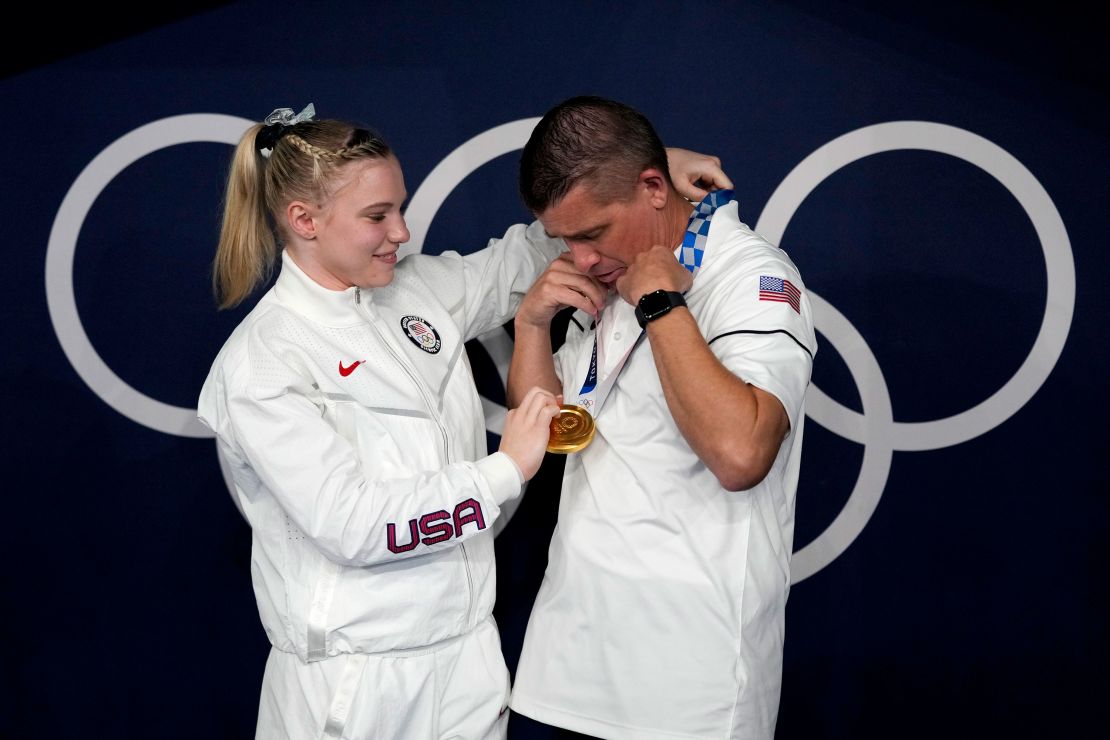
300 219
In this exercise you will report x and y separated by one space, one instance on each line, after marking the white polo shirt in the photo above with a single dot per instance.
662 611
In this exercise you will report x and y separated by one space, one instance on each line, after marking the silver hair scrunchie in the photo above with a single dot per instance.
278 122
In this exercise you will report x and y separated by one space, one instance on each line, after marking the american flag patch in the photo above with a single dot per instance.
777 289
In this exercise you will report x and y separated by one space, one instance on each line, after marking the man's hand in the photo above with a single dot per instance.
560 285
694 175
655 269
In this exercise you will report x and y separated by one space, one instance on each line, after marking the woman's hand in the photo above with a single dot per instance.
694 174
528 428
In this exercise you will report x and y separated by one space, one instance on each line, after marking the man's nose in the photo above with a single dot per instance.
584 256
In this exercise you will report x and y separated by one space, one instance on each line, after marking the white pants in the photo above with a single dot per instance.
457 690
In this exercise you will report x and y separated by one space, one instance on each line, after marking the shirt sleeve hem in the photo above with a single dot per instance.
505 478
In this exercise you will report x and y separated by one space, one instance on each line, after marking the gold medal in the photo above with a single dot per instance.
571 430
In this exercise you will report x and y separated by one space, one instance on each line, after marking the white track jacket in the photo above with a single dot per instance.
355 437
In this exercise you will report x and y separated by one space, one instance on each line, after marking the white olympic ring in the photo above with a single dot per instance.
60 300
875 428
881 432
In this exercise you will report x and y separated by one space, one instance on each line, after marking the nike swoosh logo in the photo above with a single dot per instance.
345 371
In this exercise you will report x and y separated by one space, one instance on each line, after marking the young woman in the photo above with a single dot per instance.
345 407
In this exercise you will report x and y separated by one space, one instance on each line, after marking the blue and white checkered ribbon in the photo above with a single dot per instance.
697 230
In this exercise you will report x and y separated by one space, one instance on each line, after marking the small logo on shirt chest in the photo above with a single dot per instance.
421 333
345 371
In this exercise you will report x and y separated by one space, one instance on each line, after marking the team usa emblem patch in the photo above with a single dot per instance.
421 333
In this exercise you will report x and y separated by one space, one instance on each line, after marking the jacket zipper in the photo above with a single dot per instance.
415 381
446 444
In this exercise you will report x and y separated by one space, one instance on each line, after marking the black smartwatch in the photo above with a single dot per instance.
657 303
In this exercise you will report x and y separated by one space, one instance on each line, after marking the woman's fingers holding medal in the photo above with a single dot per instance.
527 429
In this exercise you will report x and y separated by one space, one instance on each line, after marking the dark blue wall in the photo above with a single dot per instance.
952 517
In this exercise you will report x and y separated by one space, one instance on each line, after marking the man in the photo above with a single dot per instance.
662 611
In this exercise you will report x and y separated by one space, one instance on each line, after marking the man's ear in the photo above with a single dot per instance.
300 220
654 186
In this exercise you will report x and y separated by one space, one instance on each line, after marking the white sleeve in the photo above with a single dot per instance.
769 344
484 289
314 473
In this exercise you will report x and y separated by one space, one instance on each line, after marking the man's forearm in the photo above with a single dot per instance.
733 428
532 363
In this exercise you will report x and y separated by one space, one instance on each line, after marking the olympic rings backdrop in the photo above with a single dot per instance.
947 214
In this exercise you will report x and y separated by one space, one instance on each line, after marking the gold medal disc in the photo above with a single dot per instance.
571 430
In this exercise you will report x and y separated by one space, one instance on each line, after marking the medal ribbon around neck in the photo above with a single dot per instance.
690 254
697 230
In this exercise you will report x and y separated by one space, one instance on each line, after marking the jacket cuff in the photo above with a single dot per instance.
504 477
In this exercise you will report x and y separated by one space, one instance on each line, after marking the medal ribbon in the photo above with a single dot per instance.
690 255
697 230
